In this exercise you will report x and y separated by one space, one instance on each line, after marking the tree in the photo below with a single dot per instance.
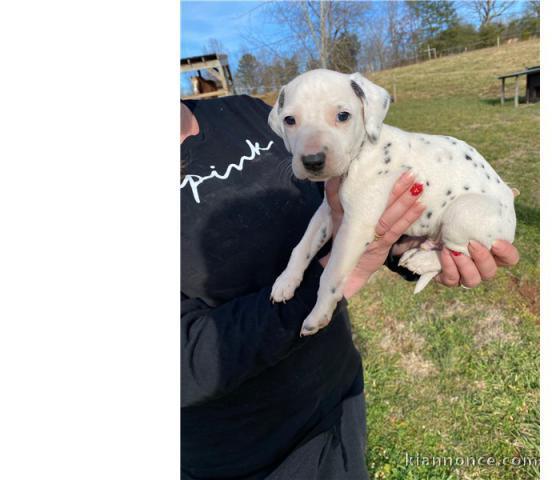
533 8
214 45
455 38
290 69
314 27
247 74
488 11
489 32
344 54
432 18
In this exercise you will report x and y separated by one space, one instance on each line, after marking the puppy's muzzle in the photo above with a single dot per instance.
314 163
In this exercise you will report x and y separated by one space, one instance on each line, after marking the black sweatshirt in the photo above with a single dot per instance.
251 389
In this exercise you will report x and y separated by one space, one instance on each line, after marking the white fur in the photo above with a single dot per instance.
465 198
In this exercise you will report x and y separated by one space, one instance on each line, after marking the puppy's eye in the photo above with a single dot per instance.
289 120
343 116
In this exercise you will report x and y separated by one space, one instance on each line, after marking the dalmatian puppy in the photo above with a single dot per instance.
332 124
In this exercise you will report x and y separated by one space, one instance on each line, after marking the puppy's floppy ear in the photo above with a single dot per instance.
274 119
375 103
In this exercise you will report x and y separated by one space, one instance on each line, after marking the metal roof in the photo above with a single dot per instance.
522 72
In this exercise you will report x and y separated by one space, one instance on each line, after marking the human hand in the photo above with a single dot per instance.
401 212
482 264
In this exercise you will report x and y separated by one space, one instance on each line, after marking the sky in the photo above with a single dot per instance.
226 21
232 23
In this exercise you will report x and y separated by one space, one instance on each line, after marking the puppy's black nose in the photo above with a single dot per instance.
315 162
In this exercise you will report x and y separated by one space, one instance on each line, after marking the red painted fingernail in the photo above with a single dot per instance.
455 253
416 189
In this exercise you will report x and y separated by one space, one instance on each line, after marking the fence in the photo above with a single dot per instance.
429 53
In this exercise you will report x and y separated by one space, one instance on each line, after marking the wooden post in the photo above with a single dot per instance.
498 41
428 52
516 98
394 90
502 89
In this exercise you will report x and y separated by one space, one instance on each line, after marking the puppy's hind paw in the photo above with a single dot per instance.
284 287
423 262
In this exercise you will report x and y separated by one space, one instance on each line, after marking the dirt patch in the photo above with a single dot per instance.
531 294
491 329
399 339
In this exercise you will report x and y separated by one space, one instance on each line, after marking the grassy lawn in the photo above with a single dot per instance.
455 372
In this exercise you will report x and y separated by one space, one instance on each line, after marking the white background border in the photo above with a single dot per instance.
89 233
89 239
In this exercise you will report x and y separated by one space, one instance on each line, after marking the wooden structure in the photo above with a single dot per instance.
217 66
532 92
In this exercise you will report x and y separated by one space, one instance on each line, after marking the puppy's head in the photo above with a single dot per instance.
324 117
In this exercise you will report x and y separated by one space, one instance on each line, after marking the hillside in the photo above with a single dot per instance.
467 74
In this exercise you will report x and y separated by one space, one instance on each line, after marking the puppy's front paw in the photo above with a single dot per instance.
284 287
313 323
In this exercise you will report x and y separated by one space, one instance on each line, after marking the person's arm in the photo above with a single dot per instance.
223 346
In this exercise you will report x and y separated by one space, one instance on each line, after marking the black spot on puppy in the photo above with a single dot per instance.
333 290
468 157
443 205
387 145
427 183
357 89
428 214
281 100
449 192
488 177
387 159
466 187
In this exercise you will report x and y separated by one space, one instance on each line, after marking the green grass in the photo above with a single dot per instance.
454 372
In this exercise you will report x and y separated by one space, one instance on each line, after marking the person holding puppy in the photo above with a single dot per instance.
257 400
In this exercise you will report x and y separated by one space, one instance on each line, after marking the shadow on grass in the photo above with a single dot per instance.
509 101
527 215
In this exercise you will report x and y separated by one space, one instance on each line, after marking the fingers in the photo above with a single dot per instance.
469 275
403 183
483 260
403 223
506 255
449 276
398 215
